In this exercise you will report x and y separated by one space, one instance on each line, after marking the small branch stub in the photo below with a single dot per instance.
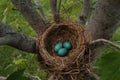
106 42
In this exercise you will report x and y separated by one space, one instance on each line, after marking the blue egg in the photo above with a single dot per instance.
67 45
62 52
58 46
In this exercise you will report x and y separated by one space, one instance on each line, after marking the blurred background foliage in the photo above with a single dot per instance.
14 62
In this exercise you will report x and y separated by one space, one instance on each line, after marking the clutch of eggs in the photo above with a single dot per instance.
62 49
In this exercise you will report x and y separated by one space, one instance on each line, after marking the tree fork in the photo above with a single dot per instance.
31 15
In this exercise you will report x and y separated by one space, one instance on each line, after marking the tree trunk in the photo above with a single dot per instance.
104 21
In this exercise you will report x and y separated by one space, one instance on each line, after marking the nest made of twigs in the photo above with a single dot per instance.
77 58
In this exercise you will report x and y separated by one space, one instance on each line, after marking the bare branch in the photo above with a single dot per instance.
106 42
104 21
85 11
38 4
55 9
4 40
33 76
31 15
58 7
17 40
118 41
53 4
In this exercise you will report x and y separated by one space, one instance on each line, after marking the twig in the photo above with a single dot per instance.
38 4
51 77
117 41
105 41
85 11
35 77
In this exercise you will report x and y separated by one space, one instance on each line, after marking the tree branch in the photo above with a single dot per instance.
105 41
85 11
58 7
38 4
33 76
104 21
17 40
53 4
2 78
55 9
31 15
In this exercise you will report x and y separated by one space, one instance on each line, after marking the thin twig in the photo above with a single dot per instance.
38 4
117 41
85 11
35 77
51 77
105 41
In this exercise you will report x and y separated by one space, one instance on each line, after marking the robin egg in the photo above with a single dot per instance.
57 47
67 45
62 52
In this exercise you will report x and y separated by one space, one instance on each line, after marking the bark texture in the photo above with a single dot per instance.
39 6
55 7
85 11
31 15
17 40
104 21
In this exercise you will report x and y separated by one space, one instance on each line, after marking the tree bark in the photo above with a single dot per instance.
55 7
104 21
31 15
85 11
39 6
17 40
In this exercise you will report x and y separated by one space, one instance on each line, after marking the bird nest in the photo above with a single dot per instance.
77 63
